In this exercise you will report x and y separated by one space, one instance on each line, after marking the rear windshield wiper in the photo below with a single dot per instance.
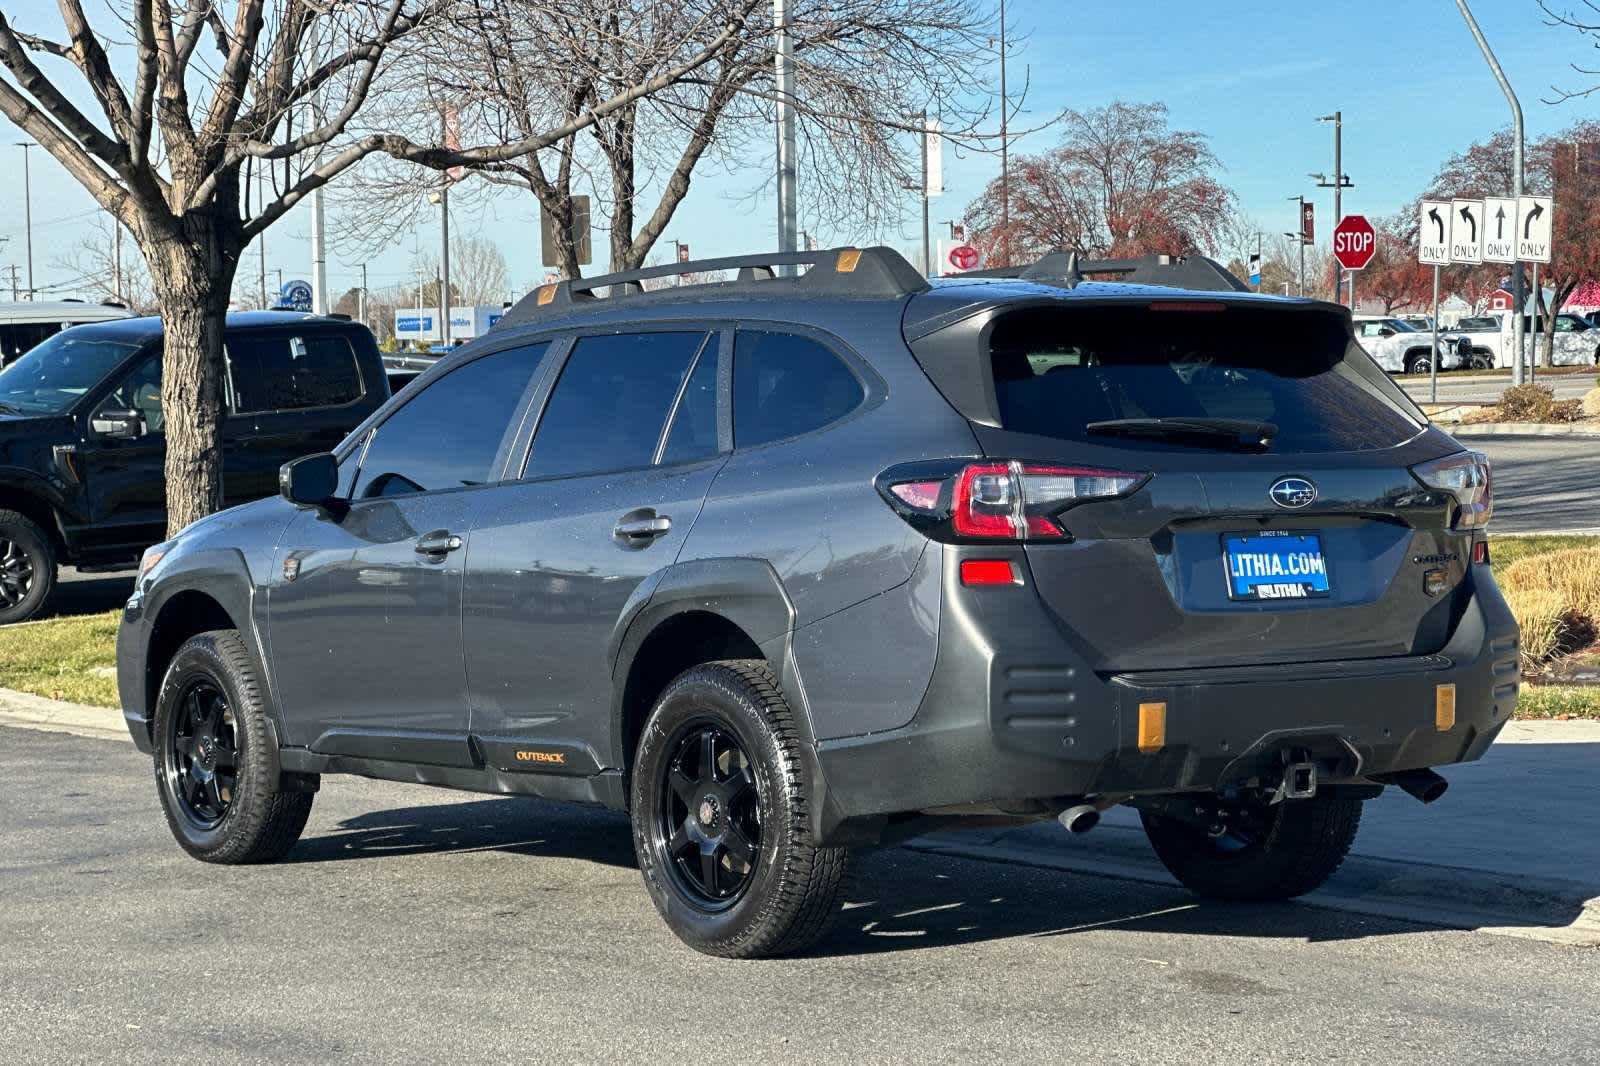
1237 432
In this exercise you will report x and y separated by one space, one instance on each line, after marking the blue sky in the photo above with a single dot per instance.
1251 75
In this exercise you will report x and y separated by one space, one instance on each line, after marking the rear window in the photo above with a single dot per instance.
1057 371
287 372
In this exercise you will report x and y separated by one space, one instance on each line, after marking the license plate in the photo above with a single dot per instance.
1275 565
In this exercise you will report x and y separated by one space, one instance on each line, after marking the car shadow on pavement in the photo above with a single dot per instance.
894 900
80 594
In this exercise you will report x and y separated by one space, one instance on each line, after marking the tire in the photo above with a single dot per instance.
27 568
782 900
1298 845
1418 364
1482 361
210 713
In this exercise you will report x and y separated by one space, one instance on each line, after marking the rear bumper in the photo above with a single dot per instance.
1012 718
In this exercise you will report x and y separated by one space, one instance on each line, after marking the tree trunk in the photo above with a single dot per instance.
192 280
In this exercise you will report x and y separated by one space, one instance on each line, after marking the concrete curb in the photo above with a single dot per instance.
1519 429
57 716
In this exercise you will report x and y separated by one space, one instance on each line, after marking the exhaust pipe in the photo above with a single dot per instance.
1079 819
1424 785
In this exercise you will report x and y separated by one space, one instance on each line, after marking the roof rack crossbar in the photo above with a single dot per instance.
872 273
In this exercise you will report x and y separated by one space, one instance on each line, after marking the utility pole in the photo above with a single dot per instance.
27 208
444 264
783 71
361 297
116 260
1005 150
262 239
11 268
279 271
927 241
1341 182
319 257
1517 297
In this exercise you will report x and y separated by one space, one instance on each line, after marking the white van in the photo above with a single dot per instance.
24 324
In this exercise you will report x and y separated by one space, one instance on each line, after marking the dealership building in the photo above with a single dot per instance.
421 325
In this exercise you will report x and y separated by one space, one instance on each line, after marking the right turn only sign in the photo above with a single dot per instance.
1534 217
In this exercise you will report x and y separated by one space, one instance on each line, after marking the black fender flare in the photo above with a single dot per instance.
223 576
29 483
748 593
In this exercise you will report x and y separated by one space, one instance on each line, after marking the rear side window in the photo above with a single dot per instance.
785 385
448 435
276 372
610 405
1056 372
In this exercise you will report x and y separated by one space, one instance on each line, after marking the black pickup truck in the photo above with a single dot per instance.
82 447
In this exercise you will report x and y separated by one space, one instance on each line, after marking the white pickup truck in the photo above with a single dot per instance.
1489 337
1401 348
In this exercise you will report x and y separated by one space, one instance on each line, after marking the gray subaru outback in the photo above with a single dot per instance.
823 555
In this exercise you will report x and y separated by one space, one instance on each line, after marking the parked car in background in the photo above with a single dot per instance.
82 448
1401 348
1489 339
1419 322
26 323
402 367
787 566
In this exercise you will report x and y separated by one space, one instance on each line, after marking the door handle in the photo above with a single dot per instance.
637 529
439 542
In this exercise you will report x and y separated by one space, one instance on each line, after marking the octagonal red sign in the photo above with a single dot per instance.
1354 242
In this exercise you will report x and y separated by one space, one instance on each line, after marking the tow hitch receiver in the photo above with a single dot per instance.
1300 780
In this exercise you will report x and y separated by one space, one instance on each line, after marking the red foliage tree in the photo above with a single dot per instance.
1121 182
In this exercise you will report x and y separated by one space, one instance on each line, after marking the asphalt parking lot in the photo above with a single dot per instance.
420 926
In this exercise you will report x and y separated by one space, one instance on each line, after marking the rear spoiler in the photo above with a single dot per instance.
1067 269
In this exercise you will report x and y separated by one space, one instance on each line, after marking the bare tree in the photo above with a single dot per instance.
1585 20
218 89
1121 182
477 272
863 70
93 264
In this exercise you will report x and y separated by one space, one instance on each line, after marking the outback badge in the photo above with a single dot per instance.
1292 492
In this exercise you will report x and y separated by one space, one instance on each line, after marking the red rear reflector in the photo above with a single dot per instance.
1188 305
988 572
1480 553
923 495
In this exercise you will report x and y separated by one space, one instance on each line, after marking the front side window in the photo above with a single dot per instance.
447 436
610 405
278 372
1058 373
50 378
785 385
140 393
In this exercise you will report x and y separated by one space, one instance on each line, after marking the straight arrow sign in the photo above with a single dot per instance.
1466 231
1535 220
1433 233
1500 230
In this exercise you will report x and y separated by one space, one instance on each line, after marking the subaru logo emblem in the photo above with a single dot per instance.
1292 492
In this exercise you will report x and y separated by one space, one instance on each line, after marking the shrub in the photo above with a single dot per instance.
1538 613
1537 403
1556 598
1591 403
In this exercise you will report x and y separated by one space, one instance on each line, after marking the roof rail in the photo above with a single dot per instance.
1169 271
871 273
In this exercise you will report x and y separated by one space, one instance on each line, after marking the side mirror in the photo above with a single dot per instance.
310 481
118 425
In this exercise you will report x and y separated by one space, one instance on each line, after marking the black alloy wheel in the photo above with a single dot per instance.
709 816
16 573
202 757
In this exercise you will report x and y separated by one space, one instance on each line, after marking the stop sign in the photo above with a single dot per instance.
1354 242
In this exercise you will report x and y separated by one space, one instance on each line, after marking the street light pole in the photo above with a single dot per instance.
1516 181
1005 150
783 73
1300 237
27 208
1340 182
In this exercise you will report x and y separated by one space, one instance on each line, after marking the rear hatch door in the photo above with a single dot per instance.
1316 546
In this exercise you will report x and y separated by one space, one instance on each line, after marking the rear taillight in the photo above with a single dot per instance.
998 499
1465 476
